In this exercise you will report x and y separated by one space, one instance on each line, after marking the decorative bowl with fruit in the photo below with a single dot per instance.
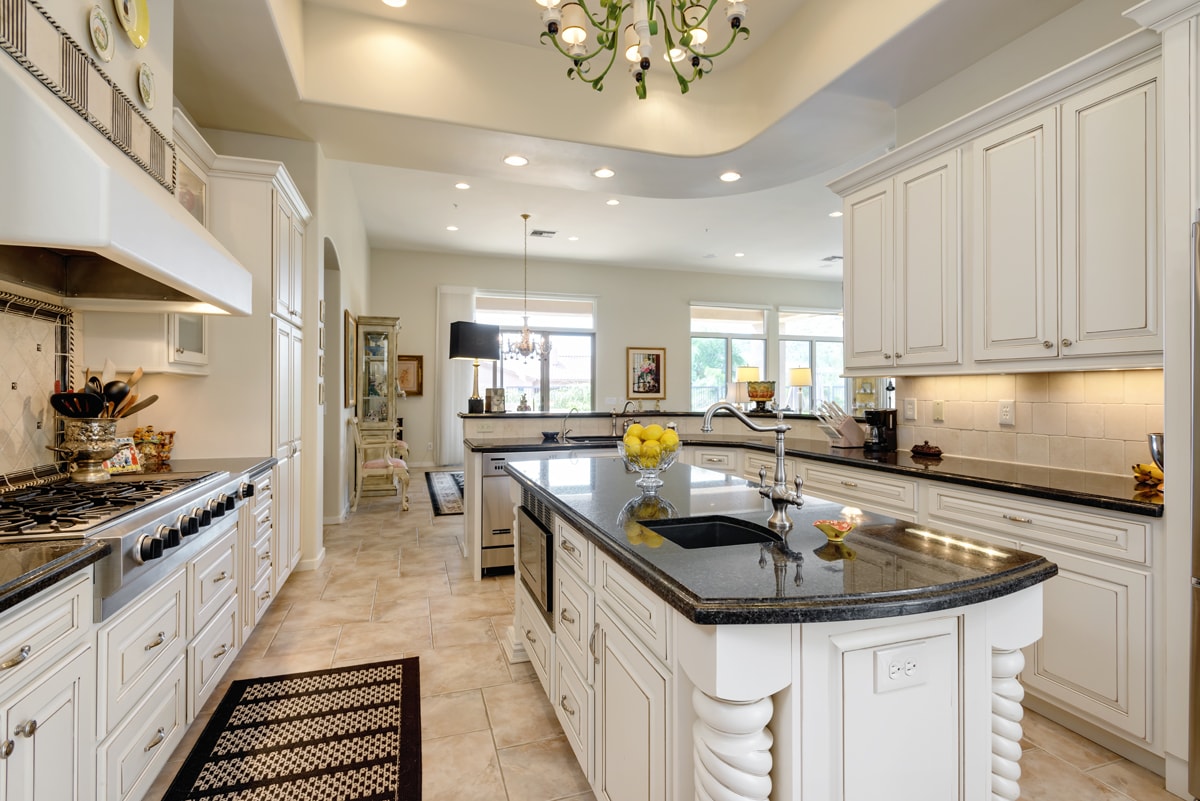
649 450
644 507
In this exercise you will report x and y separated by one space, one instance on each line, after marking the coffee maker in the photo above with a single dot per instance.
881 430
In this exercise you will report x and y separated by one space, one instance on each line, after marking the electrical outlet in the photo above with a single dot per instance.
899 667
1007 413
910 408
429 446
939 411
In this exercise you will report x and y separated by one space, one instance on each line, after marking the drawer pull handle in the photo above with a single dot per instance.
220 578
265 557
265 596
714 459
224 650
6 749
851 484
26 729
21 656
529 636
569 548
157 739
565 708
566 617
592 643
158 640
1016 519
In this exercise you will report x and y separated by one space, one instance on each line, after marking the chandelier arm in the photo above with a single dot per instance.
549 37
729 44
614 14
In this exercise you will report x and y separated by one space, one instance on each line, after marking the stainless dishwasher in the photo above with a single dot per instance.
496 537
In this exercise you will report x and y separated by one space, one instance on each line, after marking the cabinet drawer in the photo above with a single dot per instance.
572 550
133 757
262 519
573 605
39 629
137 646
724 460
872 492
754 461
642 612
534 632
262 597
262 557
1031 522
210 655
211 580
573 705
262 491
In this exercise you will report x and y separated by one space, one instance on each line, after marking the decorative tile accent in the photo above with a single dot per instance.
41 46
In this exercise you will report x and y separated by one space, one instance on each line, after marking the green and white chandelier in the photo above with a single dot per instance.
630 28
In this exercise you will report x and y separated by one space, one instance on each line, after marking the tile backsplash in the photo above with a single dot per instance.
27 373
1095 421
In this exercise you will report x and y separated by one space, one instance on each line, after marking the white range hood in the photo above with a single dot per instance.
78 218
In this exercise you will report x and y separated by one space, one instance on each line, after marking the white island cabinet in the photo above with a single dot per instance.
781 669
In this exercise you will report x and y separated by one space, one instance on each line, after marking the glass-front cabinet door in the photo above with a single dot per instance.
377 372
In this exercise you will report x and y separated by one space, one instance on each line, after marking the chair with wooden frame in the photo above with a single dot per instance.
376 455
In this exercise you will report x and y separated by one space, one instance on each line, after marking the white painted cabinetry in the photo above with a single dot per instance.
48 696
256 535
158 343
901 268
868 490
288 264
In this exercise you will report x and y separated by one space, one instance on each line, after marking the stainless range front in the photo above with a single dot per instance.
153 523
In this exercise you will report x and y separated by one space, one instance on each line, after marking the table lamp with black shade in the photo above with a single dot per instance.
474 341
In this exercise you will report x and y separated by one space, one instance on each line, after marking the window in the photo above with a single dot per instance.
723 339
564 378
814 340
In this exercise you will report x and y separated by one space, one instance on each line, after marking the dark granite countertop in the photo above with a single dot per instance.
1097 490
247 465
27 568
886 568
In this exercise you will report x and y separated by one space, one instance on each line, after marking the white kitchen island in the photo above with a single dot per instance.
884 668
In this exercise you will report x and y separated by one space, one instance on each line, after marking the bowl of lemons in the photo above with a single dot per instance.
642 508
649 450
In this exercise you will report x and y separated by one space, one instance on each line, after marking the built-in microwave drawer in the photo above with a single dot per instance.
536 559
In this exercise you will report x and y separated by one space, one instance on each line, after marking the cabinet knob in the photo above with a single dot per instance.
897 355
26 729
1047 344
6 749
1066 343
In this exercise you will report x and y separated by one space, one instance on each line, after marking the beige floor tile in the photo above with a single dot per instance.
281 665
316 612
400 610
462 667
1063 743
541 771
453 713
348 584
521 671
407 587
1045 777
463 632
382 640
468 607
1134 781
463 767
520 713
294 641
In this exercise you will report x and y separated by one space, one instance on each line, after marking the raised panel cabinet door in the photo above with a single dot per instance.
50 726
1111 246
296 252
282 273
927 263
296 353
1014 262
294 544
283 389
286 509
631 712
867 275
1094 653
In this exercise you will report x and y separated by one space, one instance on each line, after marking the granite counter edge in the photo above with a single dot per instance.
31 583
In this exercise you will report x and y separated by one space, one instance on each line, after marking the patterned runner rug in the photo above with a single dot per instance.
351 734
446 491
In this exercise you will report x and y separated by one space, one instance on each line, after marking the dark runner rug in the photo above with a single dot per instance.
446 491
352 734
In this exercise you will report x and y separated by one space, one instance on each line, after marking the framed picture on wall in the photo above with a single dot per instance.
351 365
646 373
409 374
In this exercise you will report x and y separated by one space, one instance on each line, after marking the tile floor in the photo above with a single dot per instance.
396 584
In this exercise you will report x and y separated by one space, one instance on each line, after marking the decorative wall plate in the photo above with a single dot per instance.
102 34
146 85
135 19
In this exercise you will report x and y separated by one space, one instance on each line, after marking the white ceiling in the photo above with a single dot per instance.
418 98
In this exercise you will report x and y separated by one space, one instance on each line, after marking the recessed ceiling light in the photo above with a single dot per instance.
738 255
603 172
462 185
451 227
731 176
613 202
395 3
835 214
572 239
516 161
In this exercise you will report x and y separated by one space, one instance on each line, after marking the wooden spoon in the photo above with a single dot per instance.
137 407
130 400
134 377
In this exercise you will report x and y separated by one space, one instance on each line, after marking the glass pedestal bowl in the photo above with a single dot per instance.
649 464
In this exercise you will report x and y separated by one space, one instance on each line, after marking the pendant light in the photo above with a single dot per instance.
526 348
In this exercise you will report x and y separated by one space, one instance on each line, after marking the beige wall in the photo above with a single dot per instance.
635 307
1094 421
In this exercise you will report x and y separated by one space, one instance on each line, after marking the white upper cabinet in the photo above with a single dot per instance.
1111 262
1015 239
288 276
901 269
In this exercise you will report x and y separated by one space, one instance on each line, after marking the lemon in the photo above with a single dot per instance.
633 447
652 432
634 430
652 539
669 440
651 452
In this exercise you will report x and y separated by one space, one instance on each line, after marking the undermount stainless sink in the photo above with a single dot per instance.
711 531
594 438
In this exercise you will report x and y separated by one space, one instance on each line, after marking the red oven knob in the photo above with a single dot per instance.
148 547
171 537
